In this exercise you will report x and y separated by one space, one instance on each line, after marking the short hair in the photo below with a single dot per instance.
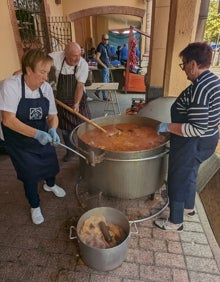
32 57
201 52
72 47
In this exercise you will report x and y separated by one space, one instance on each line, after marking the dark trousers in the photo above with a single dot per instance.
186 155
31 191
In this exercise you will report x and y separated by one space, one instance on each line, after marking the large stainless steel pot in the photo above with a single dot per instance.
104 259
127 175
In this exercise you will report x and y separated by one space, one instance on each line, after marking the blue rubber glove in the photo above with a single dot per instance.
43 137
53 133
162 127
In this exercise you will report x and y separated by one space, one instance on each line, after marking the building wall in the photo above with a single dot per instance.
74 6
8 55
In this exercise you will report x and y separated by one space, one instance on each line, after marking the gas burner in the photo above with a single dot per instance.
136 210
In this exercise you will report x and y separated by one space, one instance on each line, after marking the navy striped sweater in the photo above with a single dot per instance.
200 105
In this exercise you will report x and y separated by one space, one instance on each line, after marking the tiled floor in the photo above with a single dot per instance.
45 253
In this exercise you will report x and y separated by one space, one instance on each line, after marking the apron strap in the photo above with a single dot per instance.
23 88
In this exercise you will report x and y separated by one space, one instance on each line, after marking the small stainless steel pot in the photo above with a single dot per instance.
103 259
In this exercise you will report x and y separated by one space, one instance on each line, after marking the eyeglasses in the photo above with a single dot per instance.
182 66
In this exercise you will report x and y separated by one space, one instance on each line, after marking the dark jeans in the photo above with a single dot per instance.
185 157
31 191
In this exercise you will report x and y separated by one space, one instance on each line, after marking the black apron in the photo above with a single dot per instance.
65 93
185 157
32 161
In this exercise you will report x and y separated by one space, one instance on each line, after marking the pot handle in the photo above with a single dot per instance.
135 232
71 236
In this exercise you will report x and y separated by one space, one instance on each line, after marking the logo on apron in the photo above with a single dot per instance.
36 113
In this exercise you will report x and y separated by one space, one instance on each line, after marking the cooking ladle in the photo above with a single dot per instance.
80 115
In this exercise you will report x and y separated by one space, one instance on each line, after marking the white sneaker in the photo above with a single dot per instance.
57 190
165 224
37 216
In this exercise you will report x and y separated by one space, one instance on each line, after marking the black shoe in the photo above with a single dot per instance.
190 214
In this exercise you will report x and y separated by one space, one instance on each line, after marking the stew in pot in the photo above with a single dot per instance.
124 137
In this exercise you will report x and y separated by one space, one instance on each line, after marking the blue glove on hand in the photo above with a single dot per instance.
43 137
162 127
53 133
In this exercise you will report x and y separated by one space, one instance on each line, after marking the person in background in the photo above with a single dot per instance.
103 58
83 53
29 123
118 53
137 53
92 56
124 54
71 72
195 116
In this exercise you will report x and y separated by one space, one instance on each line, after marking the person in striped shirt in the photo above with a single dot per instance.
194 133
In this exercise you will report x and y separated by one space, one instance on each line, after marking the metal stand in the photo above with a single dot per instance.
112 104
136 210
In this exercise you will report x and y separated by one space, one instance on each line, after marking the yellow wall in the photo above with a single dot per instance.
53 9
70 7
8 55
74 6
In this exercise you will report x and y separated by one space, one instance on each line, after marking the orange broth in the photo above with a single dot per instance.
124 137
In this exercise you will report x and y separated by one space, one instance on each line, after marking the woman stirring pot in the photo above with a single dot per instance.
29 122
194 133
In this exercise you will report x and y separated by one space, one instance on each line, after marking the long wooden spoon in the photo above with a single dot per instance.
80 115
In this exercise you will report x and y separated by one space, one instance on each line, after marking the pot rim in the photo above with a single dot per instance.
79 224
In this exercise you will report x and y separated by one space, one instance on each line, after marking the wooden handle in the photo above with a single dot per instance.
79 115
104 228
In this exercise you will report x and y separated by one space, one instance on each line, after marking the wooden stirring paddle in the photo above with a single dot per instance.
79 115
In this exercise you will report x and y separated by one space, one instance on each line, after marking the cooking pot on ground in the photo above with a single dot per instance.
126 175
103 259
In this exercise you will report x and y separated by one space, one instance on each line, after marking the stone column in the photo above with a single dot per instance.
174 24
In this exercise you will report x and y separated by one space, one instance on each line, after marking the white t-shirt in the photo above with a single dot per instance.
11 94
81 70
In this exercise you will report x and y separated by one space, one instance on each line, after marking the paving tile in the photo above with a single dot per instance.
140 256
152 273
203 277
170 260
28 243
193 227
179 275
194 237
14 271
61 261
106 278
153 244
127 270
165 235
194 218
53 246
174 247
133 242
52 274
205 265
38 258
143 231
131 280
198 250
10 254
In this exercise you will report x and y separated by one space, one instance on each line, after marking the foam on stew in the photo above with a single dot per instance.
124 137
